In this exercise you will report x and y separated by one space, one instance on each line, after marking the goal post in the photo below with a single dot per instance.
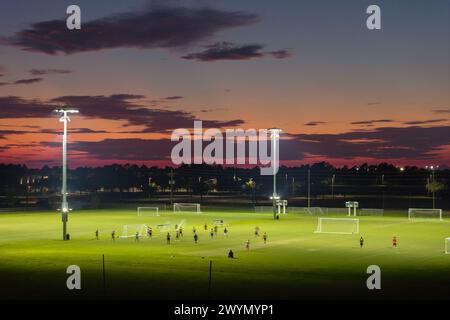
186 207
130 230
421 213
447 246
338 225
148 211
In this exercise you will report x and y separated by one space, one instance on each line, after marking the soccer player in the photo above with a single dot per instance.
361 242
265 237
394 242
205 226
225 232
231 254
215 229
177 235
247 245
149 232
168 238
256 231
113 235
136 237
181 231
96 234
195 237
212 233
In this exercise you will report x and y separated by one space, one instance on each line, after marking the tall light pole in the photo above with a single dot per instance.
309 186
64 111
274 135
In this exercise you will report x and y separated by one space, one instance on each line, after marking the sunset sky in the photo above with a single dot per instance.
139 69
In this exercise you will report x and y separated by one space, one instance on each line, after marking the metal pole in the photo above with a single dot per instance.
274 195
171 186
64 205
309 186
210 275
104 273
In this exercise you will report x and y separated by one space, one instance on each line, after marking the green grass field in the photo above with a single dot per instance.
296 263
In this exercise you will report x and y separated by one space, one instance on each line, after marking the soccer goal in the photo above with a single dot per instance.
447 246
130 230
338 225
148 211
186 207
419 213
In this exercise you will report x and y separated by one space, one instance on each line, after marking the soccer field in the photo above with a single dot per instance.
295 263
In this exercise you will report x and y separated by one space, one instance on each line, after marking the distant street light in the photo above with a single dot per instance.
64 111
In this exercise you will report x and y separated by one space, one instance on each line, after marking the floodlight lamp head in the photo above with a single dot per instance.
66 110
275 132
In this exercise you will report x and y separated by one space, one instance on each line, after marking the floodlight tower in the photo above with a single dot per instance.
274 135
64 111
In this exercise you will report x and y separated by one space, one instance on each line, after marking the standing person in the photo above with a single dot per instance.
394 242
136 237
181 231
212 233
361 242
194 230
231 254
256 231
113 235
149 232
177 235
96 234
265 237
168 238
195 237
247 245
225 232
215 229
205 226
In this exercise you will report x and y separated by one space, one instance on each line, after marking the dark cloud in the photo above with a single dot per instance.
440 111
122 149
280 54
72 130
28 81
314 123
230 51
3 84
126 107
157 27
371 122
412 142
425 121
41 72
173 98
15 107
227 51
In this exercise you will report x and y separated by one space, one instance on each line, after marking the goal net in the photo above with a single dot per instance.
370 212
447 246
148 211
418 213
130 230
338 225
186 207
315 210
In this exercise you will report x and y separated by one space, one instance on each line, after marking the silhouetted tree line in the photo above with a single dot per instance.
324 180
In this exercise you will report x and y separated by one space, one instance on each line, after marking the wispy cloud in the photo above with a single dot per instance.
41 72
230 51
28 81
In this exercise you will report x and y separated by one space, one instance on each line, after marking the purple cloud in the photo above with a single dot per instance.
28 81
41 72
230 51
157 27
